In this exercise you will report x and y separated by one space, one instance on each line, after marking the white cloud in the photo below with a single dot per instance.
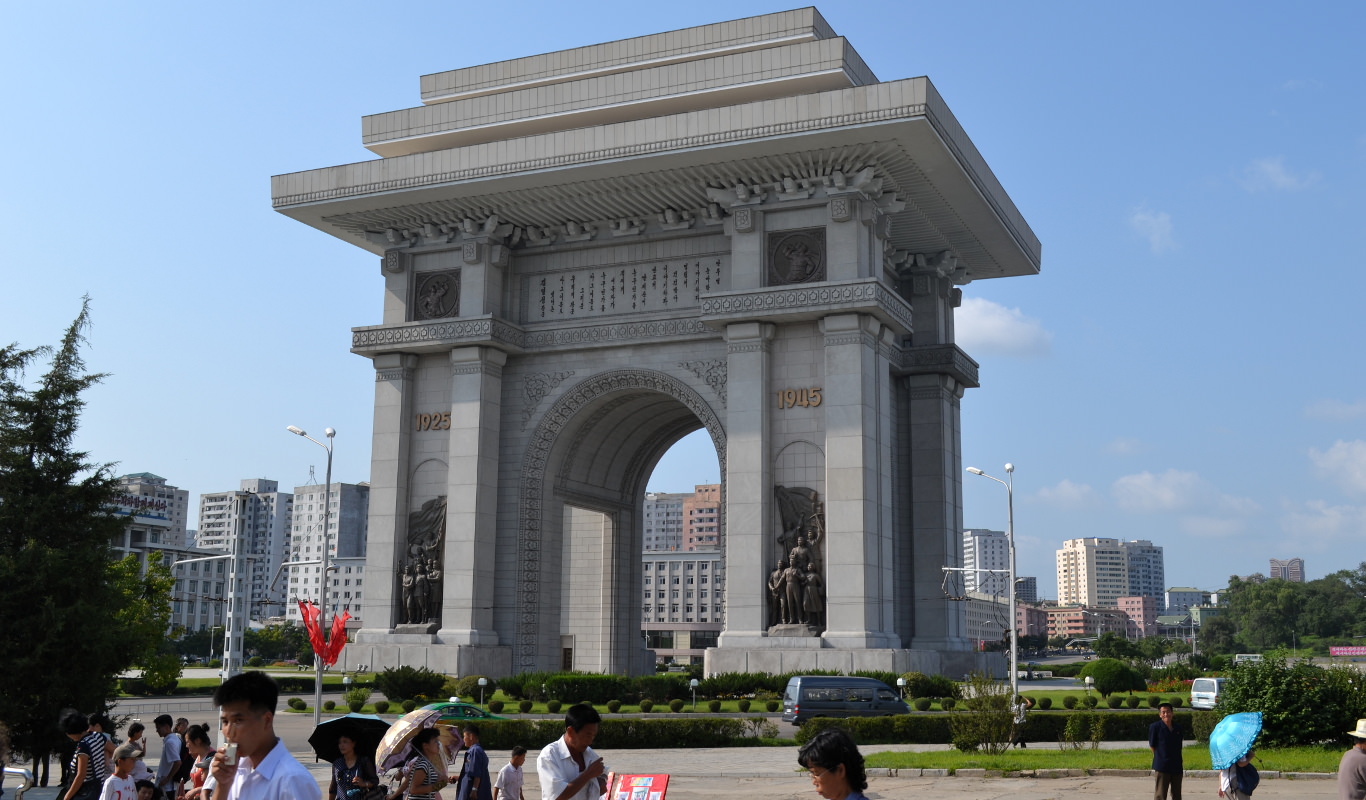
1336 410
1068 495
1156 227
1344 463
1208 527
1271 174
1175 491
991 329
1125 446
1319 527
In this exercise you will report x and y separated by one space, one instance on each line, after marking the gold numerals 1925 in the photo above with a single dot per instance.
440 421
806 398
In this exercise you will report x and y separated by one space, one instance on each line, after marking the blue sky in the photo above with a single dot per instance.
1186 368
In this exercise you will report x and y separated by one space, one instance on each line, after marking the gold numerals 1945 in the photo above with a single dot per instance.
806 398
440 421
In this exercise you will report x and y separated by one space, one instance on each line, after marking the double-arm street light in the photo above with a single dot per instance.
322 616
1009 483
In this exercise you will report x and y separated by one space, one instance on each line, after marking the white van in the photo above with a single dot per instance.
1205 692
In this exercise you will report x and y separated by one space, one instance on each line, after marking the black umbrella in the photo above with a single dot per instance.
364 729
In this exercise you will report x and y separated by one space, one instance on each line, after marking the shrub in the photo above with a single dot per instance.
1083 727
744 706
408 705
496 706
1114 701
595 689
918 684
675 705
947 703
554 706
772 705
297 703
1091 701
356 707
329 705
1045 703
524 706
1177 701
1112 675
1154 701
714 706
381 706
986 721
1132 701
356 698
1069 702
408 683
662 688
614 706
256 661
1202 722
646 705
922 704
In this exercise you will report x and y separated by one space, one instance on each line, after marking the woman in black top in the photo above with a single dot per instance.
353 775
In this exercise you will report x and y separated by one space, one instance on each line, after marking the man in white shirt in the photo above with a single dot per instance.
568 767
264 769
171 748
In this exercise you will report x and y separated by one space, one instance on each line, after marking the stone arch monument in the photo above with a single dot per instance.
589 254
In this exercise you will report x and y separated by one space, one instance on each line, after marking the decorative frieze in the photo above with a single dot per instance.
823 298
713 373
946 359
535 387
619 290
603 334
395 374
394 261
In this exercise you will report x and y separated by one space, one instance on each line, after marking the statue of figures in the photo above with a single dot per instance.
796 505
792 595
434 581
813 597
801 555
421 591
776 594
409 596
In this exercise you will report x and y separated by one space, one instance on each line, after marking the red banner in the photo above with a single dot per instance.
1347 651
338 640
310 614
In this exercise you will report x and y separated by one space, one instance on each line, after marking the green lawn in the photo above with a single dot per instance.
1044 756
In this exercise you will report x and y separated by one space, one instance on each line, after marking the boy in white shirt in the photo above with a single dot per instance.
120 784
508 785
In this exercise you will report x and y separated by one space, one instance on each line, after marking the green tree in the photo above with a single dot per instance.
1300 703
1218 635
1112 675
68 610
1112 645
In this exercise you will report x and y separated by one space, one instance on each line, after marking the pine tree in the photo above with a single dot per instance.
68 610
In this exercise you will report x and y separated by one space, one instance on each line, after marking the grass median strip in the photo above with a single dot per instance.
1290 759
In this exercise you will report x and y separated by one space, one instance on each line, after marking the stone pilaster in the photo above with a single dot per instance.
749 482
485 263
939 373
390 443
857 584
472 496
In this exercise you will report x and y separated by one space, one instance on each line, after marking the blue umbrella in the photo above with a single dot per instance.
1233 737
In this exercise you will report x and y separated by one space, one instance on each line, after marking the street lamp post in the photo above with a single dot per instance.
482 683
693 684
322 615
1009 483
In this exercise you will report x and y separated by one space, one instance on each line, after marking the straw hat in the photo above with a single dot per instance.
1360 732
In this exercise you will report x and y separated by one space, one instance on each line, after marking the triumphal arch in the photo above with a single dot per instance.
589 254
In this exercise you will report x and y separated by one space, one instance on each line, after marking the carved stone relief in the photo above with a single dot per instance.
420 564
796 256
796 589
436 295
536 387
713 372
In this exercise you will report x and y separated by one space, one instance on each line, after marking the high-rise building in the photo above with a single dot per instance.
156 508
986 561
347 529
702 518
260 514
684 593
1289 569
1098 571
1026 589
663 527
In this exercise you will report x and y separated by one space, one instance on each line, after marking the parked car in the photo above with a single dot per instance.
1205 692
457 713
810 696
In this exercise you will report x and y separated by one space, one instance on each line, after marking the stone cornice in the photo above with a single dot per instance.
436 337
809 302
945 359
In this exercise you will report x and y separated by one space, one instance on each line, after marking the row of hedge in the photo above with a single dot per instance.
138 687
599 689
1040 726
619 733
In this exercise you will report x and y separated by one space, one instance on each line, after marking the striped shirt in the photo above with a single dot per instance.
92 745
